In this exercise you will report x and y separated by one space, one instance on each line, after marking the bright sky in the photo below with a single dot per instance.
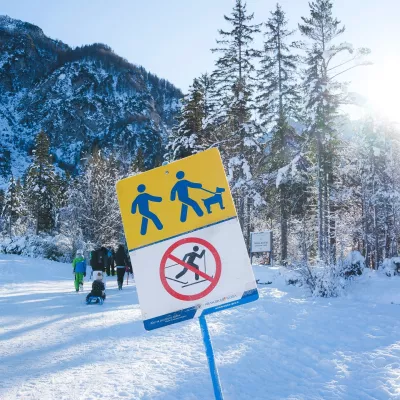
173 38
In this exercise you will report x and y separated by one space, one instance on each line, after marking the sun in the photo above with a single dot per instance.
382 89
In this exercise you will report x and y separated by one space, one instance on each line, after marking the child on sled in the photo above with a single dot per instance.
98 287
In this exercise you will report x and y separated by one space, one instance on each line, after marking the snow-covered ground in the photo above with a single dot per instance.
287 345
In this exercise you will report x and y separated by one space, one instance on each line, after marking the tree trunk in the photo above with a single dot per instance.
331 215
248 217
366 230
320 200
284 225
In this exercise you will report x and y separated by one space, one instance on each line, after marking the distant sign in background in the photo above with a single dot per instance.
185 241
261 242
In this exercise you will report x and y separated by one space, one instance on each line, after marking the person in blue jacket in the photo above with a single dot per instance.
79 266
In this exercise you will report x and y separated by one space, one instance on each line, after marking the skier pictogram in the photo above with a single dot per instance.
184 289
190 257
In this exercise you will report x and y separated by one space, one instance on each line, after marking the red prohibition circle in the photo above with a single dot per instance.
215 280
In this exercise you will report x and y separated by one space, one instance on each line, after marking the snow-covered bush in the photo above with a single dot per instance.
57 248
353 264
322 280
328 280
391 266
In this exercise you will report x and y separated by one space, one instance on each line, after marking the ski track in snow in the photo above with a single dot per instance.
286 345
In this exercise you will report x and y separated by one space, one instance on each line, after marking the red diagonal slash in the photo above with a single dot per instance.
190 268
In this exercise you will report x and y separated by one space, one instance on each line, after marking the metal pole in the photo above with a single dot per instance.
251 248
272 251
210 357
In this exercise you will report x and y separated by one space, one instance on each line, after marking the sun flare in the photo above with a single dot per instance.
382 89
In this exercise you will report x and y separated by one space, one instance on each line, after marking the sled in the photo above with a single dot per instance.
263 283
95 300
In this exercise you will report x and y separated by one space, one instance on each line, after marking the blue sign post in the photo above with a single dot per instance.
210 358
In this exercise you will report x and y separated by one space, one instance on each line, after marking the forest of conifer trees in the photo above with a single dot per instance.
324 184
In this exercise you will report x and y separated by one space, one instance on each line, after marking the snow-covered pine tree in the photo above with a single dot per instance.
372 175
324 94
235 127
12 209
392 191
60 190
207 87
39 188
278 104
189 124
5 162
93 201
138 164
193 130
115 230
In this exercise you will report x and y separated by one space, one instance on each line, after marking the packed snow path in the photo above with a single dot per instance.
287 345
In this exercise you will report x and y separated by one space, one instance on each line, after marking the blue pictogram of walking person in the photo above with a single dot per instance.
181 189
142 203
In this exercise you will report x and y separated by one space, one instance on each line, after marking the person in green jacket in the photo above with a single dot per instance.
79 265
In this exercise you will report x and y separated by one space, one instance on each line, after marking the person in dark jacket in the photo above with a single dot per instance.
110 261
113 263
121 262
98 287
104 258
98 259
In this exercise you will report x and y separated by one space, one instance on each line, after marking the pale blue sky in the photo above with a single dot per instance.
172 38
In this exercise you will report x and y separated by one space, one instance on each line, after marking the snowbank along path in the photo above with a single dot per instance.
287 345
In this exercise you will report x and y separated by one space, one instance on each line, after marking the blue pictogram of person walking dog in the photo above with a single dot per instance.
179 192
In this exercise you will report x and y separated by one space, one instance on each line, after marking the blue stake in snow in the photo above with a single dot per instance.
210 358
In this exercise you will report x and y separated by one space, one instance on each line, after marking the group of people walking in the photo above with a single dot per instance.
102 261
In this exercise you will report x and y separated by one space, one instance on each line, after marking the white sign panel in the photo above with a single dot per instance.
261 241
172 290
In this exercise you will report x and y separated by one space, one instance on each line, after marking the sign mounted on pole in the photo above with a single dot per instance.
261 242
185 241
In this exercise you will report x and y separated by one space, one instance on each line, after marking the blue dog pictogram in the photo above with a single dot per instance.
216 198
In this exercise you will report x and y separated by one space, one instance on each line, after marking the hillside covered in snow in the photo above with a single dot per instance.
81 98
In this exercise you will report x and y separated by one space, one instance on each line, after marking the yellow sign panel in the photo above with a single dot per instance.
174 199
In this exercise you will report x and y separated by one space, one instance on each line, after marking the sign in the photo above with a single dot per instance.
261 241
174 199
185 241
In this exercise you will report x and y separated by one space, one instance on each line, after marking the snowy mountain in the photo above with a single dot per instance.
80 97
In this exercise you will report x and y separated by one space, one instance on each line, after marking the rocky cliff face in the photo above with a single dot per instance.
80 97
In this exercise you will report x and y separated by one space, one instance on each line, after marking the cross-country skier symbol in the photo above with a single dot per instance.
190 257
142 202
191 289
